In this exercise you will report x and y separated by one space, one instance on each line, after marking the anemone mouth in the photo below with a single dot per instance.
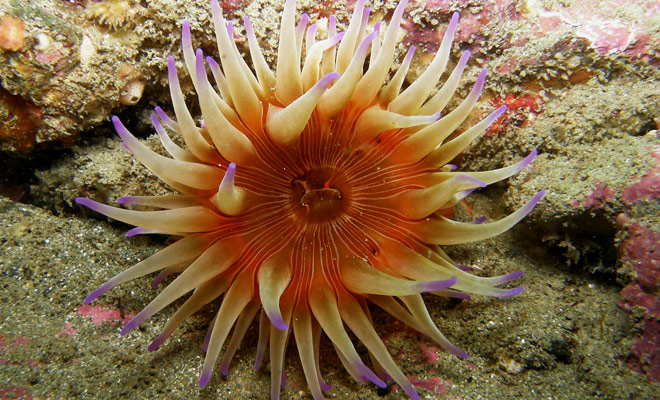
309 193
319 195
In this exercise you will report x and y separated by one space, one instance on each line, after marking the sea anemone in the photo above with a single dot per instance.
309 193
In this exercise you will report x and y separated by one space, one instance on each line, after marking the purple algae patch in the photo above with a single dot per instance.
642 252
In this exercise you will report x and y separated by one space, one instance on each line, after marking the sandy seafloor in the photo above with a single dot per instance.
584 87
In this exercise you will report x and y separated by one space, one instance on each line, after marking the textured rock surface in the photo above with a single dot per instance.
582 84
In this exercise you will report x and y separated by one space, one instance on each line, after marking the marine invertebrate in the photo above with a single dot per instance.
12 33
308 193
131 93
114 13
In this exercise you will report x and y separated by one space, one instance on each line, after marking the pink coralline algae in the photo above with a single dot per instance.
67 331
598 198
642 252
15 392
101 314
475 29
648 187
644 356
598 23
435 385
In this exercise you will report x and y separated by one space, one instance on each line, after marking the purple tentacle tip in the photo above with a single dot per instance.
530 157
325 386
369 375
412 393
512 276
185 32
439 285
207 339
159 278
460 354
258 361
461 295
513 292
501 110
103 289
479 221
157 342
454 17
205 378
91 204
132 324
539 195
134 232
529 206
327 79
278 323
464 57
91 297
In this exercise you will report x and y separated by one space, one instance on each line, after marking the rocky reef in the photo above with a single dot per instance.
582 84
